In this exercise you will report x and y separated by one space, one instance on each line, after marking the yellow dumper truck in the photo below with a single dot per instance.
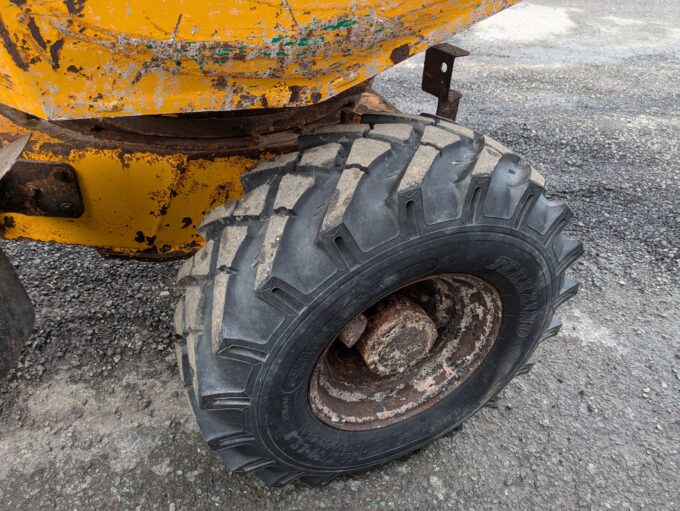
358 281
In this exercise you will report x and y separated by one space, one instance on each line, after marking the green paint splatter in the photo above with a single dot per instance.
341 24
222 52
278 38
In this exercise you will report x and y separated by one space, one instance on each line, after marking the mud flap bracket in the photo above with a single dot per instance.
439 61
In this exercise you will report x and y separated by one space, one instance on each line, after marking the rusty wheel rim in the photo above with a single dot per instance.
406 353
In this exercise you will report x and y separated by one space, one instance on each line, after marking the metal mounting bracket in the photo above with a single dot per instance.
439 60
38 188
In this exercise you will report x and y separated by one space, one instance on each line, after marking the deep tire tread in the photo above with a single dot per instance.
323 185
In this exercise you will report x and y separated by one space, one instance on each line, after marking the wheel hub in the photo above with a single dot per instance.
399 335
406 353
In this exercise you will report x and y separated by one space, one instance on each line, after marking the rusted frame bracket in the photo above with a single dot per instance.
37 188
439 61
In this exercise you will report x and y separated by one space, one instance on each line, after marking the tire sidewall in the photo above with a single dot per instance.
516 264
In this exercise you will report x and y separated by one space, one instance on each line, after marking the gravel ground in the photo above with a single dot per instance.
93 416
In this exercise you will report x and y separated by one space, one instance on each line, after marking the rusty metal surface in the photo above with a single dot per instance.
97 58
353 331
16 315
437 72
399 335
146 194
36 188
221 133
195 127
467 313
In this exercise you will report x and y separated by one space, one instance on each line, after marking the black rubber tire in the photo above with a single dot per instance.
323 234
17 316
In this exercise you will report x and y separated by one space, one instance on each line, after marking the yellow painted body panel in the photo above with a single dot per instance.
145 196
136 202
82 59
94 58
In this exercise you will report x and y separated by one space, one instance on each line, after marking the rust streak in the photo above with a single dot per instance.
292 15
55 49
174 32
11 47
75 7
35 32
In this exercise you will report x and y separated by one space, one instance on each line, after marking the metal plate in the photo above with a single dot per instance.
437 72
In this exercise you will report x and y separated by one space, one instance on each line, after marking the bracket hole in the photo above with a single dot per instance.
444 67
61 175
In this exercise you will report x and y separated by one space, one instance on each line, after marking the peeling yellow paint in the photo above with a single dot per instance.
82 59
135 202
89 58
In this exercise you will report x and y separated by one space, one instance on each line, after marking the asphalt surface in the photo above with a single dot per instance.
93 415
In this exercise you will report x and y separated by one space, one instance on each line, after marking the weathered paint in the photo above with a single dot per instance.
145 196
88 58
136 202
